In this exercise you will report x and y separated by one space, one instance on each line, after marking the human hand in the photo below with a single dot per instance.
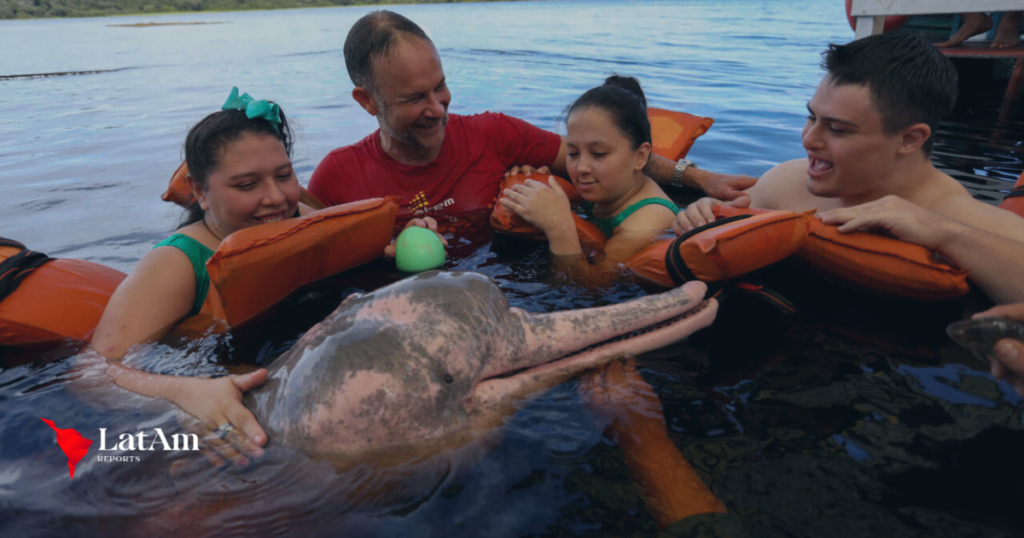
545 206
527 170
425 222
702 212
227 429
1007 358
904 220
724 187
616 391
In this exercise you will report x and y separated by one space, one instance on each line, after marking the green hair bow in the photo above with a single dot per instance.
254 109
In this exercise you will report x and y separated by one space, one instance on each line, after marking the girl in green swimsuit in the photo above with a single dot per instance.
241 173
609 144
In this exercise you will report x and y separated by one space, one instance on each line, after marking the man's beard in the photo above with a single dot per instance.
407 138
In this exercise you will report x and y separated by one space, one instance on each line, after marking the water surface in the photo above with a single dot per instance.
854 416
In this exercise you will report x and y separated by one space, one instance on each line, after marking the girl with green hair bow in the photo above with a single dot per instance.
241 174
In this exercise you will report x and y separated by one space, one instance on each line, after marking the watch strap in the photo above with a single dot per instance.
679 171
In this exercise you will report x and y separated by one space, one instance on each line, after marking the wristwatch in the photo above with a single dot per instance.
679 170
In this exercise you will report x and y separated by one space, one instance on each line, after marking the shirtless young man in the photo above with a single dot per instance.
868 136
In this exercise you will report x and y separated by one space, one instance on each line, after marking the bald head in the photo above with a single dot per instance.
373 38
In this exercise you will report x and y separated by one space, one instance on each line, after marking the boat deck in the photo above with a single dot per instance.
981 49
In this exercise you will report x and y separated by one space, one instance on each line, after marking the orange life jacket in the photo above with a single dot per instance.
673 133
257 267
871 261
505 221
58 300
252 270
1015 200
725 249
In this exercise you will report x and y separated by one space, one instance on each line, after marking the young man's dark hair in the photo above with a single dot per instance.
910 80
373 37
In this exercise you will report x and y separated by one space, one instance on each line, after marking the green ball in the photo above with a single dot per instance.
418 249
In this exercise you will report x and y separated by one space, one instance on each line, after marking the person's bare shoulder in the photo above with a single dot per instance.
163 278
782 187
159 292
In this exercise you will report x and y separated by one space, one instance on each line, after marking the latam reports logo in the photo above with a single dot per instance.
75 446
72 443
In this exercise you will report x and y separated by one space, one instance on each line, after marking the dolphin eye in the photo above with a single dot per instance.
449 379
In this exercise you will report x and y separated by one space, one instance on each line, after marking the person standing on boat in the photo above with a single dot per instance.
869 134
444 165
1007 36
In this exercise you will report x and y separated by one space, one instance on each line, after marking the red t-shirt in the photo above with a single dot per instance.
462 180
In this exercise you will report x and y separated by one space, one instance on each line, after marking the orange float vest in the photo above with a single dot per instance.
251 271
255 268
672 133
722 250
670 486
725 249
881 264
1015 200
505 221
59 300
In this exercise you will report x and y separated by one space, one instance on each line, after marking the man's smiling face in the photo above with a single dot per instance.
412 98
849 153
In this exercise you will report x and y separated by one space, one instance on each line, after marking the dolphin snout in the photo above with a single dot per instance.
562 333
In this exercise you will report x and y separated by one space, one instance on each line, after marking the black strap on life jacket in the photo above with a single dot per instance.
1019 191
765 293
14 269
677 269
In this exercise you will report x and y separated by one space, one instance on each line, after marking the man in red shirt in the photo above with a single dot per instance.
442 165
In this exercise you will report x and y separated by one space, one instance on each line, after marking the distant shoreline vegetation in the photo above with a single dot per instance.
41 9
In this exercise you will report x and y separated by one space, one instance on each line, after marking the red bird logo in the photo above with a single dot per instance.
72 443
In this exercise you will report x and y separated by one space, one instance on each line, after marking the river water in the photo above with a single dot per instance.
853 416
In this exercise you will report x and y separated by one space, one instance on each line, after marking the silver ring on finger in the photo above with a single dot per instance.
224 429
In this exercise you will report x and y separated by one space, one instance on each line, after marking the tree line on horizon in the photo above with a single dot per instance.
35 9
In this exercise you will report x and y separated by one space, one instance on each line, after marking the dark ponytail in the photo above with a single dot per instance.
623 99
207 139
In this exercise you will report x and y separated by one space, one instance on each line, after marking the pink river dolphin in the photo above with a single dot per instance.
433 359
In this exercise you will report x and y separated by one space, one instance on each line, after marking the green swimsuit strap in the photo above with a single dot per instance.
608 225
198 254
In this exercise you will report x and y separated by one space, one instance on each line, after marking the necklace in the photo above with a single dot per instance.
219 238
